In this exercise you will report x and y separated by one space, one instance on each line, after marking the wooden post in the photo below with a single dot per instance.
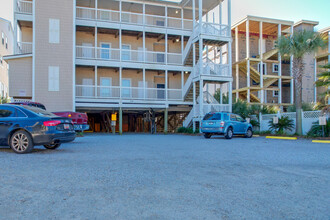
237 59
120 121
248 59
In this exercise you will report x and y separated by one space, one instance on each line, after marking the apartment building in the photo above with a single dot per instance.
260 75
125 57
322 58
6 48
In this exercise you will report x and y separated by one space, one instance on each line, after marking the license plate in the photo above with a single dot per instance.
66 126
211 123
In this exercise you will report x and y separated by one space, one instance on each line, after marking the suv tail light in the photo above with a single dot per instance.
51 123
222 123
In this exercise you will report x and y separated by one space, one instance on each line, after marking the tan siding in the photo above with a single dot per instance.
20 80
54 54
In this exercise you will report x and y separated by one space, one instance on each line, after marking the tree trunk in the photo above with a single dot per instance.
298 67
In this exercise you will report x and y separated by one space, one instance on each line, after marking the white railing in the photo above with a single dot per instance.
189 118
187 86
113 54
23 47
24 7
215 29
189 45
131 93
108 15
213 69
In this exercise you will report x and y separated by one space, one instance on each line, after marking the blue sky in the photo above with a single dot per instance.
295 10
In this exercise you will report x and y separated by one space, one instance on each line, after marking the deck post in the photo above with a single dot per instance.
291 74
194 106
236 60
261 63
120 120
248 60
280 68
165 120
95 83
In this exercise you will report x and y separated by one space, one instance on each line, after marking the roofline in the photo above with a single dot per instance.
324 30
263 19
314 23
18 56
10 24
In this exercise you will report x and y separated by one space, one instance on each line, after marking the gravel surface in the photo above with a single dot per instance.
167 177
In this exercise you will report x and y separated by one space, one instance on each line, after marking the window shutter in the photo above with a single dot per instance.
53 79
54 31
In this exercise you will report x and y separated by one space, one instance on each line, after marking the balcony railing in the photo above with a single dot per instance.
23 48
24 7
130 93
113 54
215 29
108 15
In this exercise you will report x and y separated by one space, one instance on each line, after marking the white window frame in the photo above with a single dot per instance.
265 68
3 38
273 67
54 31
53 78
6 43
127 88
274 93
104 49
102 89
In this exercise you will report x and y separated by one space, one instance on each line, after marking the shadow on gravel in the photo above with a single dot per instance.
36 151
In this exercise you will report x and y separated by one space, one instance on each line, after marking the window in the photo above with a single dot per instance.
7 112
160 23
126 52
233 117
275 93
6 43
212 117
239 118
54 31
105 51
1 60
275 68
3 38
264 68
53 79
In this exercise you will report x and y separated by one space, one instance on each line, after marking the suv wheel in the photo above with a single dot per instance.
52 146
21 142
229 133
207 135
249 133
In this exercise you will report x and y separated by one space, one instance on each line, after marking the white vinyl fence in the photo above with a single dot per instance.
308 118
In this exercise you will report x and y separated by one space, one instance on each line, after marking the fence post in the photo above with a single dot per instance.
302 121
260 121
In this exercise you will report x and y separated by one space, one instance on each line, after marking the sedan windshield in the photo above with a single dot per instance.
39 111
212 117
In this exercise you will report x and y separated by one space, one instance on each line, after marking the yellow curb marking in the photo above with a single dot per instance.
320 141
284 138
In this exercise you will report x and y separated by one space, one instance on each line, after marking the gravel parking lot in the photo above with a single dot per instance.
139 176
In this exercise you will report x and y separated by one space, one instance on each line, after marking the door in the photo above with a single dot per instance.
87 51
141 91
88 87
7 115
126 52
140 54
240 124
105 89
233 121
105 51
161 91
126 88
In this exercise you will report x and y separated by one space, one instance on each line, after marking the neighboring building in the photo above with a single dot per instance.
260 75
322 58
6 48
128 57
309 77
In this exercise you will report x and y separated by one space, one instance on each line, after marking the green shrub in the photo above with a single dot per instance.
316 130
305 107
284 123
182 130
255 123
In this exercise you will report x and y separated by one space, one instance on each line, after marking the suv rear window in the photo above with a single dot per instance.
212 117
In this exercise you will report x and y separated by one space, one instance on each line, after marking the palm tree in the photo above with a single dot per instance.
298 45
324 82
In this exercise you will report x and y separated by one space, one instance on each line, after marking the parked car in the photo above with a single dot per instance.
22 127
80 120
225 123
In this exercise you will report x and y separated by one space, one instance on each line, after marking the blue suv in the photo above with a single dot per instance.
225 123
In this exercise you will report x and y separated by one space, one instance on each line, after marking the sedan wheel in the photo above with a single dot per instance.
52 146
21 142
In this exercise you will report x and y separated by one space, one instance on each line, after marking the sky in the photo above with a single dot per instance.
293 10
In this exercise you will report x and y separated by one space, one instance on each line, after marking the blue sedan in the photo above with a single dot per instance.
227 124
